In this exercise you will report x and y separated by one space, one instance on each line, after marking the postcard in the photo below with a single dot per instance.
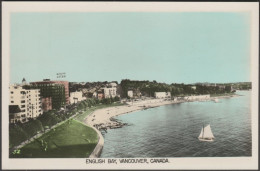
130 85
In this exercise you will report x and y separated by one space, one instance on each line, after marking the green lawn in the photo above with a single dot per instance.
70 140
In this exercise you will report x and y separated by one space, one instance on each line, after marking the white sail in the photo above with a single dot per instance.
207 132
201 133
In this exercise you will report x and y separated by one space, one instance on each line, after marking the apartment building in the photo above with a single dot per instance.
109 92
76 97
51 82
28 101
162 95
52 90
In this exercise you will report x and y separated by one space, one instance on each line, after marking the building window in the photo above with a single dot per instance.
12 101
23 106
22 92
22 101
12 92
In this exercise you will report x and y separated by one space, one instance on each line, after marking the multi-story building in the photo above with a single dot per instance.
76 97
52 90
28 100
162 95
109 92
64 83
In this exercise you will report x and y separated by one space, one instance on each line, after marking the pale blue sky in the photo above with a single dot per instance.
167 47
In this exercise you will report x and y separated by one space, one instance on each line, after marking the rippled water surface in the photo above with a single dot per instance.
173 130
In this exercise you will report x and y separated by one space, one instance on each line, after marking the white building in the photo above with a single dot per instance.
76 97
162 95
193 87
130 93
110 92
29 102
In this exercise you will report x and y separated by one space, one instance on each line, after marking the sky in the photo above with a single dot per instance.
166 47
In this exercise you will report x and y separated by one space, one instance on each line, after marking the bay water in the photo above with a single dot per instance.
173 130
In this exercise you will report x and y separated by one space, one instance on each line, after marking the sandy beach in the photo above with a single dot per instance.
103 116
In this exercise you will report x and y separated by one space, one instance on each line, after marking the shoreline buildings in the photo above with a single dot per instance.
31 100
109 91
76 97
50 82
162 95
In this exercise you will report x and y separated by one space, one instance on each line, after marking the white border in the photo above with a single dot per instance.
175 163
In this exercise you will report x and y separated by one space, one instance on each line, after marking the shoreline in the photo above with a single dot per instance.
103 119
98 149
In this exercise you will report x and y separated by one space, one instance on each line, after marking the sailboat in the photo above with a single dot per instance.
206 134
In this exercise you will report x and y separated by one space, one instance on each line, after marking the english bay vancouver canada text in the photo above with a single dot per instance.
130 84
79 119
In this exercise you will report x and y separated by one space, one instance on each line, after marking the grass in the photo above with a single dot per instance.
70 140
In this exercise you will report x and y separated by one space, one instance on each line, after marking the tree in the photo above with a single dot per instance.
116 99
228 89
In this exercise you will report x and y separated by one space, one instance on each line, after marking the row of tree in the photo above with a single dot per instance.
148 88
94 101
88 85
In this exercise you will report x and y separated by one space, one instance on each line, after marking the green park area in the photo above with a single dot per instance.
72 138
69 140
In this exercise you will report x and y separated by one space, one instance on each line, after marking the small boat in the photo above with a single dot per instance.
206 134
216 100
